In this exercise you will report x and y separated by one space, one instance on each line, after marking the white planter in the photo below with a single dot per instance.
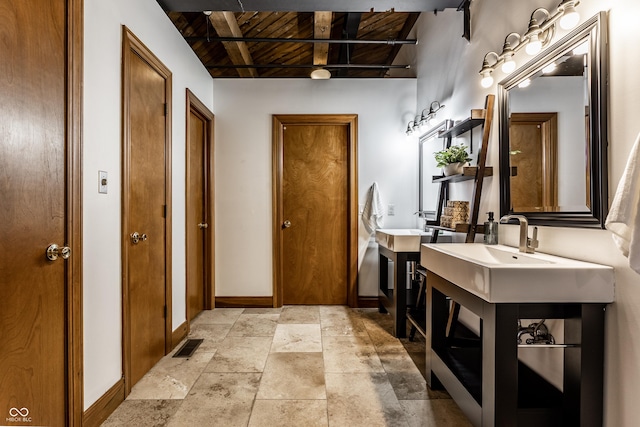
454 168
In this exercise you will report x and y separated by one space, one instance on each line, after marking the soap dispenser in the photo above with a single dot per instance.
490 231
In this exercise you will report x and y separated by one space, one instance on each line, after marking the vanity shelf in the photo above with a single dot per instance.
476 119
469 173
479 117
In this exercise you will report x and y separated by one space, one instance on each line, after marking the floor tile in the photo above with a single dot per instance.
433 413
350 354
289 413
382 339
293 376
292 366
300 314
240 354
362 399
211 334
297 338
223 399
142 413
224 316
171 377
255 325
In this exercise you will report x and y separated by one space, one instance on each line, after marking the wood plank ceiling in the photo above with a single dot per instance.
232 44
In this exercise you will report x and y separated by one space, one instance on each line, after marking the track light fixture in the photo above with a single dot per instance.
539 34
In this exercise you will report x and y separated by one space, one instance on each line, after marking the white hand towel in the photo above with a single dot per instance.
624 216
373 212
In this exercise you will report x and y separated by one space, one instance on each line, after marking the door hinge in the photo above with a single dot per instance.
166 109
164 211
165 311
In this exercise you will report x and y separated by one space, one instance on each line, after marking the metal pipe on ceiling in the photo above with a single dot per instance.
363 66
293 40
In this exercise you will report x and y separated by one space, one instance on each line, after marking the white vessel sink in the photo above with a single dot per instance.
500 274
402 239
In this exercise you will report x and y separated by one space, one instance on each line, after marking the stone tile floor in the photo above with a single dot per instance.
299 366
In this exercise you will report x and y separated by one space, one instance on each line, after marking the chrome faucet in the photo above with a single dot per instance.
527 245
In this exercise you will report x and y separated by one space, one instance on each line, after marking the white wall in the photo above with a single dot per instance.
102 147
243 111
448 72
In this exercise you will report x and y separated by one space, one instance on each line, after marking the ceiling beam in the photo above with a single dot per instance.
226 25
406 29
309 5
321 30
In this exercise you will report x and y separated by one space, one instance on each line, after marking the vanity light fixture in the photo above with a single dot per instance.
508 64
539 34
411 127
434 107
424 118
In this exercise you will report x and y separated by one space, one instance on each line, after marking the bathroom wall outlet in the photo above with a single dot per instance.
391 210
102 182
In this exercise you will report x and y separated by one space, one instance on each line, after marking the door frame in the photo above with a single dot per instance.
74 119
132 45
194 105
279 121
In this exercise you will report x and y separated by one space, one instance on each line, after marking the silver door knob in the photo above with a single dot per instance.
137 237
54 251
203 225
286 224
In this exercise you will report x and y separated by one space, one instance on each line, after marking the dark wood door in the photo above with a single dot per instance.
33 214
315 203
199 220
145 191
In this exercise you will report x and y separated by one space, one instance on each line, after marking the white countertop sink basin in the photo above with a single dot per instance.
402 239
502 274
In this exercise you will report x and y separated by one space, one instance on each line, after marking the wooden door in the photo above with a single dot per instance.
316 223
199 218
146 237
39 202
533 143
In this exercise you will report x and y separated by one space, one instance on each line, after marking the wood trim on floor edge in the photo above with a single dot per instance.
104 406
245 302
367 302
179 334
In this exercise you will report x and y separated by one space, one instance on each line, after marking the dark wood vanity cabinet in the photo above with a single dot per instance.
485 377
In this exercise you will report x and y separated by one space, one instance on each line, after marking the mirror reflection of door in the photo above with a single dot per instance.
534 151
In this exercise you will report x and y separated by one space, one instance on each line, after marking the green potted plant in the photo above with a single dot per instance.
453 159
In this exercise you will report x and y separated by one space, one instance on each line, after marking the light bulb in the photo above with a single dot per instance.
524 83
508 65
534 46
570 18
549 68
486 81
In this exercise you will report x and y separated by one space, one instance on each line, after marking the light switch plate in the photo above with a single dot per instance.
102 182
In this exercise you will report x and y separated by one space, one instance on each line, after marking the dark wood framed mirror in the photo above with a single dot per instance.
553 132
